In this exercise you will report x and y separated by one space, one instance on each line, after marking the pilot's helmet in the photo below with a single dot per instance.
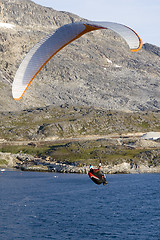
90 167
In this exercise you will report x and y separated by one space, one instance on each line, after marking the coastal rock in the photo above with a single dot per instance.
27 162
127 168
7 160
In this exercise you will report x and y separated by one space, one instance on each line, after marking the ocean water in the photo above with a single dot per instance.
36 205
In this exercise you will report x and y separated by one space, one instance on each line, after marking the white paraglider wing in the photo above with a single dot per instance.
129 35
43 51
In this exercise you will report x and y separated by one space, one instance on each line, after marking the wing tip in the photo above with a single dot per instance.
16 96
17 99
140 46
140 43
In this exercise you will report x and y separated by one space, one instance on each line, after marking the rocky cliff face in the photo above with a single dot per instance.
96 70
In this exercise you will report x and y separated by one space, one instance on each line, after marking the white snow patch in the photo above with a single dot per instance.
6 25
117 66
108 60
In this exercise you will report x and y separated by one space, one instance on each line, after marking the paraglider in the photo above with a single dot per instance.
96 175
43 51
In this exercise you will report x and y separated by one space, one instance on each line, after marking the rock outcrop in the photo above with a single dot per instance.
118 155
27 162
96 70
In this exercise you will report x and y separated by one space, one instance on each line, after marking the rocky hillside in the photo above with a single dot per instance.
96 70
51 123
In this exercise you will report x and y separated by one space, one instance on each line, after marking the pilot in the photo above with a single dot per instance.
95 170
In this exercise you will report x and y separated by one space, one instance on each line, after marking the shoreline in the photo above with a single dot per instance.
119 153
27 162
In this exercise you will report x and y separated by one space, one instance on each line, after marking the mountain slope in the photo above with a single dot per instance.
96 70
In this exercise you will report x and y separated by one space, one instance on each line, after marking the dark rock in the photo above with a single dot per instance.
152 48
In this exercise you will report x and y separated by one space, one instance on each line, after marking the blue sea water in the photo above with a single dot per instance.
36 205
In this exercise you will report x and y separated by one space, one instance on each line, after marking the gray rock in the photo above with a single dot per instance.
96 70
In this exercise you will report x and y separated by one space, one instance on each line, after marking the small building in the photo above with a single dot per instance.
151 136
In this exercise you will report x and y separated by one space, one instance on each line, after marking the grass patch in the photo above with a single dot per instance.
85 152
144 125
35 151
3 162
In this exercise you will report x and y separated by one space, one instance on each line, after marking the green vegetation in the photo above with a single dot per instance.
40 123
36 125
35 151
85 152
144 125
3 162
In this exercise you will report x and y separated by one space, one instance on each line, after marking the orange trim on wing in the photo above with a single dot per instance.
140 45
87 29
